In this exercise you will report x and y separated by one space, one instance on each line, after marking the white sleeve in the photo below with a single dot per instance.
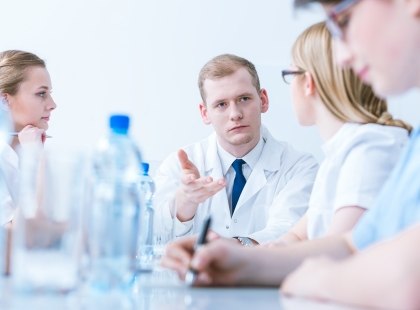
167 180
8 184
365 171
291 202
7 206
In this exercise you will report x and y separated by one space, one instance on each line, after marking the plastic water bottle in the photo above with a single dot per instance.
113 223
147 190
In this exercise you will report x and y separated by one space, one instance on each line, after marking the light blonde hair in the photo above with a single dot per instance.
13 66
224 65
342 92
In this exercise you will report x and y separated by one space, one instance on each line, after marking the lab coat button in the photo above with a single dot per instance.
235 220
227 226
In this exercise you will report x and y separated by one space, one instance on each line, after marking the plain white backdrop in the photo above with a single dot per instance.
143 58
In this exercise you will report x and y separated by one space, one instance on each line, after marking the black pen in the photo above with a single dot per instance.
192 274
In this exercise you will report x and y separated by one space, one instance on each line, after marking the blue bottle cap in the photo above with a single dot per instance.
119 123
145 167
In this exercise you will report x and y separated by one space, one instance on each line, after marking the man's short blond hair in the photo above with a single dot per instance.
224 65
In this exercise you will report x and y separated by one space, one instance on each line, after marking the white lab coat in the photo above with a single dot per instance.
275 195
9 179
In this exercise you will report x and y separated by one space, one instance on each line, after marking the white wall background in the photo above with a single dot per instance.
143 57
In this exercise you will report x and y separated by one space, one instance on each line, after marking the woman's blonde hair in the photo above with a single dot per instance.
13 65
342 92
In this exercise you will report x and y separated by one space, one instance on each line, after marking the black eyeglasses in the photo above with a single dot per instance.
289 74
337 18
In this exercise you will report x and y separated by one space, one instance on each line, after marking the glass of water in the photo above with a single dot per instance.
47 234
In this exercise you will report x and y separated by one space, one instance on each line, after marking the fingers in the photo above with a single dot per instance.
30 134
189 196
211 236
206 255
195 183
183 158
187 165
178 255
189 178
216 263
198 190
43 137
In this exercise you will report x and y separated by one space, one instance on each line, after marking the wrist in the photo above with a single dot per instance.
185 209
246 241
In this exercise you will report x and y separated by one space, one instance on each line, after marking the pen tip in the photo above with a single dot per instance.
190 278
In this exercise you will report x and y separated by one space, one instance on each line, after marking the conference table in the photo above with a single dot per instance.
161 290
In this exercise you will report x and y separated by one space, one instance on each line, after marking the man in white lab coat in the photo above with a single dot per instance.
254 203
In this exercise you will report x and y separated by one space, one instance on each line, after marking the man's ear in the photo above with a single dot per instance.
309 85
264 100
204 113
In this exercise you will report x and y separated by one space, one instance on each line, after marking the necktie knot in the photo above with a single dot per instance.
237 165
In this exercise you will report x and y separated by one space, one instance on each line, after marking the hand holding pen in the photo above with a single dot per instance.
220 262
30 134
202 238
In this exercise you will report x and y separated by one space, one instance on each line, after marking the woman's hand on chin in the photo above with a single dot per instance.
31 135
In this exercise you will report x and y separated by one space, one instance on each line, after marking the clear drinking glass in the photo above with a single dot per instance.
47 234
164 230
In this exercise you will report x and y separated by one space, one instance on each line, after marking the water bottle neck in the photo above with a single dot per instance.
119 132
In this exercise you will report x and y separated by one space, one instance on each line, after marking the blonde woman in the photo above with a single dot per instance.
25 91
362 142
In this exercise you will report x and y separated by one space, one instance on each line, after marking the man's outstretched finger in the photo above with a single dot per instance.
186 164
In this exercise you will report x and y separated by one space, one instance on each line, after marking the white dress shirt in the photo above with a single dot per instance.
226 160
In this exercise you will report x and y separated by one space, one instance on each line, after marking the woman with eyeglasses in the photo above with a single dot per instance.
362 142
380 40
25 92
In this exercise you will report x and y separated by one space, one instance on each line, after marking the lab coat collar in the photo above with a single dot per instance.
267 163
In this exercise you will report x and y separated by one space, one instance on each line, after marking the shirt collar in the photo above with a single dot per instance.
226 159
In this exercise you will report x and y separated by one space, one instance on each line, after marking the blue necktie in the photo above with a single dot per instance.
238 183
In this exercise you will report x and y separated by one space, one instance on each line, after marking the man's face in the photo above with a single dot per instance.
234 106
381 42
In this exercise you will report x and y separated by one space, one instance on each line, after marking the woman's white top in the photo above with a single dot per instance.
9 180
358 160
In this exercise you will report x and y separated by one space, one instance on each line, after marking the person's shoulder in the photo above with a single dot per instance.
372 144
377 135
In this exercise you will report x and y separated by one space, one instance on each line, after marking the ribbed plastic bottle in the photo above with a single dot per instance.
147 190
113 221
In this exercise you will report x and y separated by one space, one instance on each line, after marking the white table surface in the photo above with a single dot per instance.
160 291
